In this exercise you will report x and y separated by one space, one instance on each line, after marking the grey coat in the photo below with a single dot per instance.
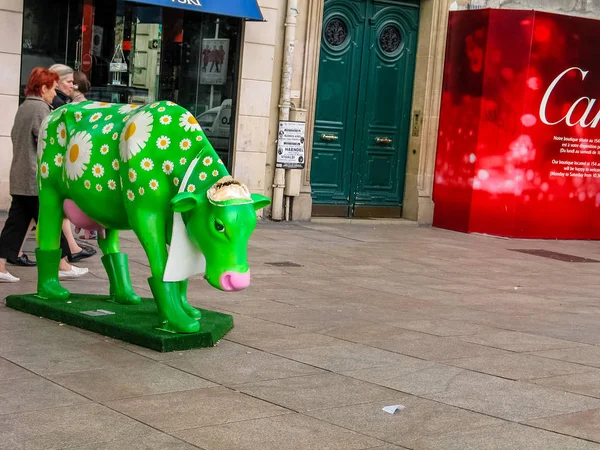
24 136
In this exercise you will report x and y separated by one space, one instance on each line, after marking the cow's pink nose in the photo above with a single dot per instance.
234 281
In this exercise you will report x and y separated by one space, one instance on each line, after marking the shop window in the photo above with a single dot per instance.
134 53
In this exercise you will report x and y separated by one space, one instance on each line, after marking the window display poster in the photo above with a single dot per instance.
213 61
519 140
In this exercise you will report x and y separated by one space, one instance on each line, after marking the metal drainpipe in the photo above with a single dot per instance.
285 99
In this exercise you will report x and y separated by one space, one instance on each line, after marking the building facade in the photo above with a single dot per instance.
363 77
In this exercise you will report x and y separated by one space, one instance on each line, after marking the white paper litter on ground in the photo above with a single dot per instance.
393 409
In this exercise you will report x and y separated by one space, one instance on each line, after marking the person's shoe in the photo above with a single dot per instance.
85 252
75 272
22 260
6 277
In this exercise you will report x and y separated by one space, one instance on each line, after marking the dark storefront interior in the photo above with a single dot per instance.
188 57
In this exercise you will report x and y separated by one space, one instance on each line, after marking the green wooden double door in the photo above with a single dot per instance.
363 110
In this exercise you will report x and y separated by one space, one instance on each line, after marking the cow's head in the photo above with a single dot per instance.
220 223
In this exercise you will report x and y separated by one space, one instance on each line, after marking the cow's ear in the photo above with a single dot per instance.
184 202
260 201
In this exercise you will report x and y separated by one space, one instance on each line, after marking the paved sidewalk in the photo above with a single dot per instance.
485 348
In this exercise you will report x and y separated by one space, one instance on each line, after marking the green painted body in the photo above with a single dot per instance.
123 166
363 105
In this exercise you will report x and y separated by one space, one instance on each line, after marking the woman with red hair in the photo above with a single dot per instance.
40 91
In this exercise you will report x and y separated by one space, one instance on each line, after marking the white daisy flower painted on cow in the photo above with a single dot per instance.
98 170
162 109
166 120
126 118
59 159
141 191
51 141
220 161
99 188
94 127
176 181
167 167
130 195
44 170
78 155
61 134
207 161
147 164
42 137
72 132
107 118
115 136
215 173
112 185
78 116
163 142
154 105
132 175
98 105
189 122
126 109
170 104
107 128
135 135
199 138
191 188
95 117
104 149
115 164
182 161
153 185
87 184
185 144
203 176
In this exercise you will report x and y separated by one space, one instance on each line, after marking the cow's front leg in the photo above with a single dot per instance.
48 254
151 230
117 268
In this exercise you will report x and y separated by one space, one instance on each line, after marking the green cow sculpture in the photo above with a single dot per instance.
150 169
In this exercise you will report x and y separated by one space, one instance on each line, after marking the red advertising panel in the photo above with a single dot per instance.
519 138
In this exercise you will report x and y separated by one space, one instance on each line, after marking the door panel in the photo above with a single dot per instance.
363 104
339 74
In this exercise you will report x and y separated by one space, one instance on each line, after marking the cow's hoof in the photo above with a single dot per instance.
128 299
53 291
191 326
191 311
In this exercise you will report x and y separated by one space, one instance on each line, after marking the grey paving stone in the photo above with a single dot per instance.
582 424
510 400
10 371
250 366
413 376
64 359
420 418
290 432
133 381
317 392
63 337
15 320
582 383
519 366
30 394
440 327
518 342
196 408
58 428
152 440
588 355
510 436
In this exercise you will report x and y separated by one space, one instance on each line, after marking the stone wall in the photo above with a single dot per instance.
11 20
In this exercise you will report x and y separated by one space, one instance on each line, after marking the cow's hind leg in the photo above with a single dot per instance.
150 230
48 254
189 309
117 268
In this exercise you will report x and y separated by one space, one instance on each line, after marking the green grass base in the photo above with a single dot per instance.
135 324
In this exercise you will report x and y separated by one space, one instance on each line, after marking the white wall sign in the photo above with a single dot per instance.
290 145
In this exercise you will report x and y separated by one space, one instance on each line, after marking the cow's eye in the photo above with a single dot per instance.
219 227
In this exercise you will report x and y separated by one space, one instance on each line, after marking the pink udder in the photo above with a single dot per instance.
81 219
234 281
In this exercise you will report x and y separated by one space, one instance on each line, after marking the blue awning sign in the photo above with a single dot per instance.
246 9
